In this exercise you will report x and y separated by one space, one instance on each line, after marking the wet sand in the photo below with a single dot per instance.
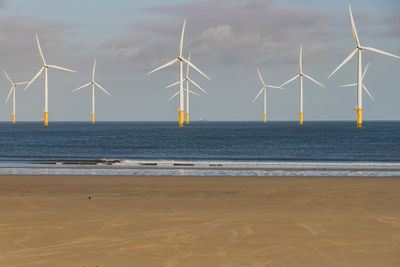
199 221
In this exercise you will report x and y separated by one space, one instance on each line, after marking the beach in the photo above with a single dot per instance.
199 221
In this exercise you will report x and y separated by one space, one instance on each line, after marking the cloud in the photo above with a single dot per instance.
229 32
17 37
218 34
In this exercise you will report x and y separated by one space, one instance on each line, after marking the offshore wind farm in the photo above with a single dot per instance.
182 80
141 159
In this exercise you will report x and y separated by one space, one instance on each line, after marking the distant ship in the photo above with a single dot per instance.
202 119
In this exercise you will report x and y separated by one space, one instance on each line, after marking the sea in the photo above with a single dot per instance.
329 148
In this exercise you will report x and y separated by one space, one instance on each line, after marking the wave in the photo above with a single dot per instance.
193 172
256 164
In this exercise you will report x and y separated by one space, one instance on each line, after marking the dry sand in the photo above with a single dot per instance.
199 221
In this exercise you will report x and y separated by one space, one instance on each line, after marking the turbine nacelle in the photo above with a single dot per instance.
92 82
358 48
45 66
264 88
13 85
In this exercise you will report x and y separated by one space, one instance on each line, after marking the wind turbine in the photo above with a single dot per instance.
188 80
181 59
265 94
302 75
363 86
93 83
12 90
358 49
46 93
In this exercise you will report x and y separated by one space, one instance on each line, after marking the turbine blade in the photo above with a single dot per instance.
9 94
171 85
192 92
301 59
368 93
354 27
291 80
83 86
104 90
194 67
172 97
181 42
8 77
312 79
380 52
34 78
60 68
21 83
344 62
259 93
273 86
164 66
195 84
187 65
40 50
94 70
365 71
259 75
348 85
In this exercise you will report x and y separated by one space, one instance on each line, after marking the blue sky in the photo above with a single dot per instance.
228 39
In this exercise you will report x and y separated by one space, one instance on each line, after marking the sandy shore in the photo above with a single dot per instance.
199 221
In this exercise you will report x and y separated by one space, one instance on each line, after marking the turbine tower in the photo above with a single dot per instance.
46 93
188 80
12 90
265 94
93 83
181 59
302 75
358 49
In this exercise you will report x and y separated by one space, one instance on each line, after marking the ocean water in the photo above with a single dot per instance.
202 144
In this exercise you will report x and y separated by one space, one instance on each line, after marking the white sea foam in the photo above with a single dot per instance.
261 164
192 172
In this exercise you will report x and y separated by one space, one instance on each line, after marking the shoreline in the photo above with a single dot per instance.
85 167
163 171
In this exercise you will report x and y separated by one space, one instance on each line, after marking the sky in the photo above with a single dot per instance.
228 40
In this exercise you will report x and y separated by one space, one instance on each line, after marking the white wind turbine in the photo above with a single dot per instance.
301 75
358 49
188 92
93 83
181 59
363 86
46 93
12 90
265 94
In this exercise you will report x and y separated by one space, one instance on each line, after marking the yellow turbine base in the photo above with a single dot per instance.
181 118
301 117
187 118
46 118
13 118
92 118
265 118
359 117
